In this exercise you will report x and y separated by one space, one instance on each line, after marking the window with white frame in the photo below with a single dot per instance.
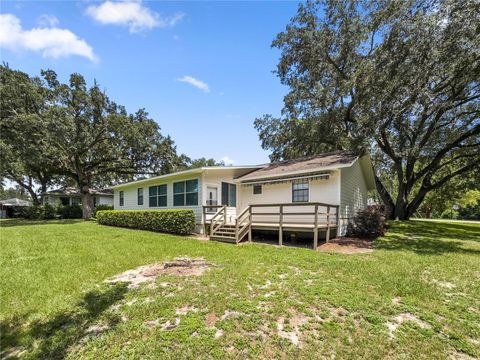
185 193
157 196
300 191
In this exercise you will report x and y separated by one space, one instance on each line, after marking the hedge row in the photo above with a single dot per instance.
46 212
168 221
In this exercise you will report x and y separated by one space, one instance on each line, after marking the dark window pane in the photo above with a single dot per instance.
257 189
192 186
224 193
121 198
152 191
179 199
162 189
192 198
178 187
162 200
300 191
152 201
140 196
232 195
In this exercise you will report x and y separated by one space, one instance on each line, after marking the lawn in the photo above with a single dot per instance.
416 296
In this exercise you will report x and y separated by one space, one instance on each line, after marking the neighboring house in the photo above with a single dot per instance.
72 196
320 193
8 206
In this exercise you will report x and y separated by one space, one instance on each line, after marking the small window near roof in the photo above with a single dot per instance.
257 189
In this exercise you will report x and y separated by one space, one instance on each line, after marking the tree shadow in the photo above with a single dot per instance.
22 222
51 338
430 238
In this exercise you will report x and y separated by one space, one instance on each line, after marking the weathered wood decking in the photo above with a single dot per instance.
315 217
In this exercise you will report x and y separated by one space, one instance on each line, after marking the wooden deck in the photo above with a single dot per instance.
299 217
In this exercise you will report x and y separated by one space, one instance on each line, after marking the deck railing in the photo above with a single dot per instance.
313 215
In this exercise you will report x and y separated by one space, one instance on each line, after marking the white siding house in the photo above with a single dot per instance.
320 193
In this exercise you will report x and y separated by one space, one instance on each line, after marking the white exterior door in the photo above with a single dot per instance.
212 195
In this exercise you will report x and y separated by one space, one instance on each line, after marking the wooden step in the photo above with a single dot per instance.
223 239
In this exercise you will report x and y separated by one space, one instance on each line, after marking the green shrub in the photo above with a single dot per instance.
100 207
169 221
369 222
35 212
49 212
103 207
70 211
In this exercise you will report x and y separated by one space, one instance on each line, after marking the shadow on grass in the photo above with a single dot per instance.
430 238
54 336
23 222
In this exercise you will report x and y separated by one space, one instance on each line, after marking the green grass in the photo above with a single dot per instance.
52 293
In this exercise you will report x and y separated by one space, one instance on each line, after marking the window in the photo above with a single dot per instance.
257 189
140 196
157 196
121 198
185 193
300 191
65 201
45 200
229 194
76 201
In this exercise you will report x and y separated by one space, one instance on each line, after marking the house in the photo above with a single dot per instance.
72 196
318 194
7 207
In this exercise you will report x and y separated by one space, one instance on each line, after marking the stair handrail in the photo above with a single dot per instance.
213 221
239 229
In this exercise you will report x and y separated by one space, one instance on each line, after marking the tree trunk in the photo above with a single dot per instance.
385 196
87 200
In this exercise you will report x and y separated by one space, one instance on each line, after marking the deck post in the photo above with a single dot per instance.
249 223
327 236
225 214
280 229
315 229
204 221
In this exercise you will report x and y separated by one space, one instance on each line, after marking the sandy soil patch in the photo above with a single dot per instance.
185 310
295 322
210 319
401 318
347 246
148 273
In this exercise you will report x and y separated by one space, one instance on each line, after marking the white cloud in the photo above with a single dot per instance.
46 20
50 41
195 82
228 161
131 13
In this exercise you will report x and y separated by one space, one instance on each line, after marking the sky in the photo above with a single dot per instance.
202 70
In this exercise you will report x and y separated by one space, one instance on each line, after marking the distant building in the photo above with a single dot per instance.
72 196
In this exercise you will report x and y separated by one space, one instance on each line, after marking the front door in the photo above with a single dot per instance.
212 197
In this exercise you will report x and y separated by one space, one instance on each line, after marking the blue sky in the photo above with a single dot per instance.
203 70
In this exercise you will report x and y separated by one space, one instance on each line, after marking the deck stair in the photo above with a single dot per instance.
226 233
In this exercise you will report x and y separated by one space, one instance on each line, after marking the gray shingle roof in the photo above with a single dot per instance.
73 191
311 164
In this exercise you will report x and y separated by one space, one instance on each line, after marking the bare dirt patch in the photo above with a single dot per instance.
148 273
295 322
401 318
210 319
347 245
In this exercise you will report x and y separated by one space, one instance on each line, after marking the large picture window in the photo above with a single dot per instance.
229 194
300 191
140 196
121 198
157 196
185 193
